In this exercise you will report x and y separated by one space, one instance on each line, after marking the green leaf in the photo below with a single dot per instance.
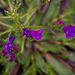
51 47
40 63
61 69
31 70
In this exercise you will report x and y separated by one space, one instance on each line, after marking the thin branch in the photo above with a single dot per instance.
22 45
5 32
10 5
3 24
36 8
43 27
5 17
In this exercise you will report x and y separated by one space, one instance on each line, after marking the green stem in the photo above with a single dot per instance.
4 32
5 17
32 10
7 69
29 17
25 15
22 45
43 27
19 28
62 16
11 30
3 24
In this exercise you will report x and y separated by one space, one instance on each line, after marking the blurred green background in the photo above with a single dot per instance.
54 54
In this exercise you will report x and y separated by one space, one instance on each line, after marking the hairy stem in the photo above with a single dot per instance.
3 24
5 32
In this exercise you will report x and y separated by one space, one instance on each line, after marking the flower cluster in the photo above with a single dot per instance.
69 31
33 34
60 22
9 48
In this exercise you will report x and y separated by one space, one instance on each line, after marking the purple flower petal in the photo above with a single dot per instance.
28 35
16 48
11 39
6 47
65 29
3 52
36 34
57 23
26 32
61 22
69 31
12 56
10 51
40 31
10 45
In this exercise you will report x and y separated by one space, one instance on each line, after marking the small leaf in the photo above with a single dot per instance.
61 69
40 63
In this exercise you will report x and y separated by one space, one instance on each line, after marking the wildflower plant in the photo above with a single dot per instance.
35 38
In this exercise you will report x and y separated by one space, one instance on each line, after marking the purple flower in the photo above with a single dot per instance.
36 34
11 39
69 31
9 48
3 52
57 23
16 48
6 48
10 51
60 22
12 57
26 32
31 33
9 45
